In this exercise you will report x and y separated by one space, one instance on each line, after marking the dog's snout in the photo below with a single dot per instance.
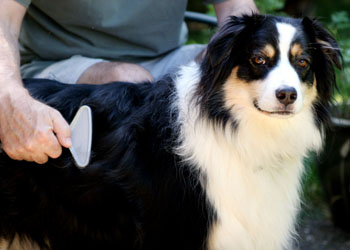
286 96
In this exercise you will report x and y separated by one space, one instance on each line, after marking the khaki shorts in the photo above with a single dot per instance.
69 70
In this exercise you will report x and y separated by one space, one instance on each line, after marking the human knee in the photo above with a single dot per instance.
105 72
128 72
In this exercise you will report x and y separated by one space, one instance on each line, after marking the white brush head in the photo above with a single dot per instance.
81 135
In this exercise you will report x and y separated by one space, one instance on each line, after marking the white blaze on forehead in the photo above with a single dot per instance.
286 74
286 34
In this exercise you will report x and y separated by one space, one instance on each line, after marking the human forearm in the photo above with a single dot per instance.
235 8
11 17
9 59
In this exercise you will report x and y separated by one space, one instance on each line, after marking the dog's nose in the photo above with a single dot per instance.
286 96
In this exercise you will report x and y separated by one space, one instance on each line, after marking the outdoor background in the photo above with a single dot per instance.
315 226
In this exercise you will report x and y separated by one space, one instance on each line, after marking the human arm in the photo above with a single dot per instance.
29 130
235 8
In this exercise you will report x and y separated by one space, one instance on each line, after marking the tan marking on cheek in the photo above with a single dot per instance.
4 244
296 49
18 243
269 51
239 93
309 94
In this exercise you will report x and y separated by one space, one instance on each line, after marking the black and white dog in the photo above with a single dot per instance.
209 159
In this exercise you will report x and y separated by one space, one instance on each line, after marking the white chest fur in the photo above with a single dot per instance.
252 174
255 203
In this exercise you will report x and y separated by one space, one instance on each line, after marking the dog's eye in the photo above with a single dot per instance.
259 60
303 63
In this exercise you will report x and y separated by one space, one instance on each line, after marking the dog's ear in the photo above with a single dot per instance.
229 37
224 46
324 40
326 54
222 43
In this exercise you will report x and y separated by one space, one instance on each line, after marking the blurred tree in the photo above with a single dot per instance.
299 8
197 5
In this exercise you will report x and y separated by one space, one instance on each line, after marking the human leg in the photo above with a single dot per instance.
79 69
68 70
104 72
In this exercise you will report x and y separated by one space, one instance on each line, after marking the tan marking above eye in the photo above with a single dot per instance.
269 51
296 49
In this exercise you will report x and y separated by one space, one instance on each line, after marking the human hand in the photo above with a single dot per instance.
234 8
28 127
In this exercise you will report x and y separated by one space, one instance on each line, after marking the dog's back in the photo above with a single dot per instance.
131 196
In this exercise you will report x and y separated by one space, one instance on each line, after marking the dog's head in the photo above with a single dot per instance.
271 66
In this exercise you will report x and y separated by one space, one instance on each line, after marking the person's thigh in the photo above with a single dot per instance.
71 69
171 62
105 72
68 70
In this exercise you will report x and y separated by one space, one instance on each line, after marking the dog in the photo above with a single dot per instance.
209 159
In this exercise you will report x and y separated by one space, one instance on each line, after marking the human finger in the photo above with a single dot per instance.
61 128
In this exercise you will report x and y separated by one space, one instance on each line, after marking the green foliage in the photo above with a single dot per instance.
269 6
211 11
200 35
340 27
312 190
